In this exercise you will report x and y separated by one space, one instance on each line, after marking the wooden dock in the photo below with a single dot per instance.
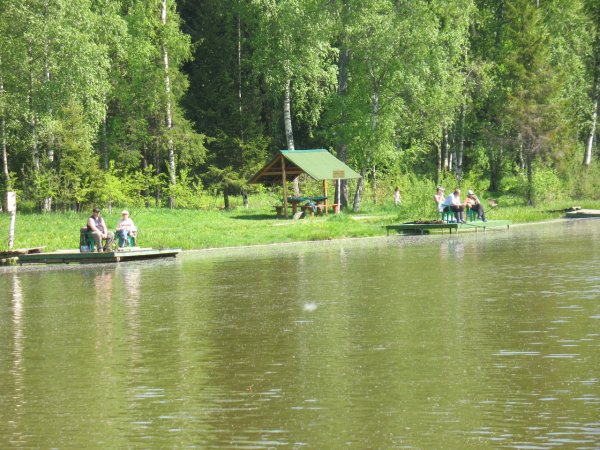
413 228
74 256
583 213
19 251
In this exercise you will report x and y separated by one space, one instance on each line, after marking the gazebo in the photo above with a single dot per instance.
318 164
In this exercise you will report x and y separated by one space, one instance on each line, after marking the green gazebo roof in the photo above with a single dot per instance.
318 164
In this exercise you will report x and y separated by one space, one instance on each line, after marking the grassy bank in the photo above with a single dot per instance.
197 229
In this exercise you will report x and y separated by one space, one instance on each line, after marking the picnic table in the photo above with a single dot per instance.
309 205
296 201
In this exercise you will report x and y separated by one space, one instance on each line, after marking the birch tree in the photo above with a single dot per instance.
534 104
293 52
593 9
402 69
147 101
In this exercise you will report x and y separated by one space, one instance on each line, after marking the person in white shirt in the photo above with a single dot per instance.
453 203
126 227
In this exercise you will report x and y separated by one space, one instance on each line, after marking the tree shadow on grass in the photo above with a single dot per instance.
255 217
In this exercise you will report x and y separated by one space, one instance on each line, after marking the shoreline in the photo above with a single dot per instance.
12 267
273 244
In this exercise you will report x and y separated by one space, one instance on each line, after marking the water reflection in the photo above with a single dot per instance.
468 341
17 370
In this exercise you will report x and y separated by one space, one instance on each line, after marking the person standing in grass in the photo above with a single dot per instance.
397 198
126 227
99 231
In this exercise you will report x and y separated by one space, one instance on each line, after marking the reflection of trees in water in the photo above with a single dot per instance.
103 284
452 248
132 278
17 371
131 281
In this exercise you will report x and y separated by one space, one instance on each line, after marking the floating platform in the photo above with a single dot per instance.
74 256
7 254
583 213
469 226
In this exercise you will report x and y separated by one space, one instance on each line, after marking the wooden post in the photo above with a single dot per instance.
284 184
11 207
337 208
325 194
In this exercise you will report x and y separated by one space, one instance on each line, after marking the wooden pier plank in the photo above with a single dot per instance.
416 227
583 213
74 256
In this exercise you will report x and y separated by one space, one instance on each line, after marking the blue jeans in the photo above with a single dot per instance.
122 235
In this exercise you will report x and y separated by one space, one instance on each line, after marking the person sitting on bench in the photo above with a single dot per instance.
439 198
453 203
472 202
99 231
125 228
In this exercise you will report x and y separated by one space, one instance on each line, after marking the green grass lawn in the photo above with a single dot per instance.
198 229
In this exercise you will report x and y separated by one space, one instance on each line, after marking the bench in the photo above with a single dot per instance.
87 243
308 210
449 217
130 239
335 208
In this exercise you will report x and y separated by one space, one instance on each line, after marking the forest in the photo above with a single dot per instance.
162 102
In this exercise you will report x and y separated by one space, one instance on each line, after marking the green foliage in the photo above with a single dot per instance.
186 190
417 198
584 183
83 83
547 186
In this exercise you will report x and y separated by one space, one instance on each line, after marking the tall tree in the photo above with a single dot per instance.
224 99
168 100
293 52
534 102
146 111
593 9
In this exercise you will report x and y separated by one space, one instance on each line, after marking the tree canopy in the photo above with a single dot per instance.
153 102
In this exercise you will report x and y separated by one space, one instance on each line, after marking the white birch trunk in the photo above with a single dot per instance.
287 123
47 203
590 144
239 67
33 123
445 151
3 132
287 116
461 143
11 230
104 139
342 147
11 202
169 116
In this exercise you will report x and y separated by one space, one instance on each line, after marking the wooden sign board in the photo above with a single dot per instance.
338 174
11 201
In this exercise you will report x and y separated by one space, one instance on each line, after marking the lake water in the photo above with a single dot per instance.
466 341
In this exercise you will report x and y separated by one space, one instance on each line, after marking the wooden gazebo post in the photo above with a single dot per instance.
284 184
325 194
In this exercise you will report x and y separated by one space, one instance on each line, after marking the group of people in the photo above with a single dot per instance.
453 203
100 232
